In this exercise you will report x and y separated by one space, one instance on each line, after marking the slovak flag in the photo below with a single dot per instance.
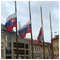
40 36
25 29
11 22
51 40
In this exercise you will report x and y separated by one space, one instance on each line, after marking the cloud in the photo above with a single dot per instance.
8 7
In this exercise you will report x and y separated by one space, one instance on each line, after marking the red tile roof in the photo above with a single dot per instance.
35 42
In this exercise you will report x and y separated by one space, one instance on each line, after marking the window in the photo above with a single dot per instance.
37 48
27 52
8 44
1 52
26 45
8 51
21 57
8 57
21 52
1 44
21 45
27 57
14 44
14 57
8 37
14 51
2 37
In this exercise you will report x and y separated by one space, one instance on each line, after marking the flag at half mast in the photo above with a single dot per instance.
40 36
25 29
11 22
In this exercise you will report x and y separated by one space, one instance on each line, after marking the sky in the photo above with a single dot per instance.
8 8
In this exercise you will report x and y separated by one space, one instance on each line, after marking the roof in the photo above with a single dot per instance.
35 42
56 37
47 43
3 27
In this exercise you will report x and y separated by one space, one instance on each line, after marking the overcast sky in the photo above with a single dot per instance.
8 7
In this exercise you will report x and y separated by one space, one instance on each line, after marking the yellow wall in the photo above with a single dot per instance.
56 48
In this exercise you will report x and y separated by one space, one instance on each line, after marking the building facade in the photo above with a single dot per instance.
56 47
38 50
8 47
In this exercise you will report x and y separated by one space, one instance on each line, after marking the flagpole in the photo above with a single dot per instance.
31 32
16 33
43 32
52 35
